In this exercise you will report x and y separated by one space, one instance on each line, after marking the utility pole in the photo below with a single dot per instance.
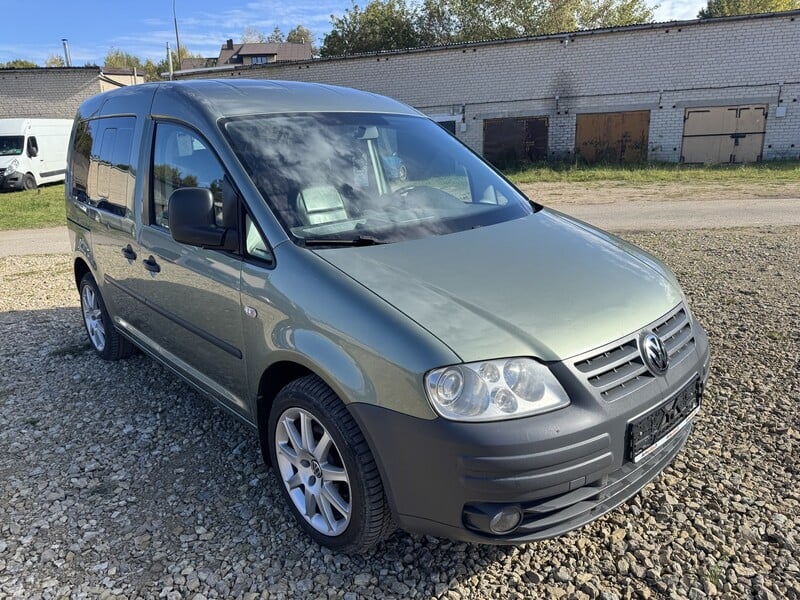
177 38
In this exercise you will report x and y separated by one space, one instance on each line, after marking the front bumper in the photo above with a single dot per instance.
12 181
560 470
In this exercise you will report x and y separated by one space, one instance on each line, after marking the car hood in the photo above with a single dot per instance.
545 285
5 160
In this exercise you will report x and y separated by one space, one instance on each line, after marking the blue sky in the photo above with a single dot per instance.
143 27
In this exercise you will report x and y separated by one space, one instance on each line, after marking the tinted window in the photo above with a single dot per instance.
101 164
182 159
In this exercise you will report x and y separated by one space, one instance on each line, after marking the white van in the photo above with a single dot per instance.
33 152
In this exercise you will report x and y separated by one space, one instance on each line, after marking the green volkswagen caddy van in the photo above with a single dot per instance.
416 343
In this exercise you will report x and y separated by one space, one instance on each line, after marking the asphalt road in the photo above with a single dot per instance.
636 215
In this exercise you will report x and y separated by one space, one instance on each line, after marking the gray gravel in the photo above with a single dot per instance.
117 480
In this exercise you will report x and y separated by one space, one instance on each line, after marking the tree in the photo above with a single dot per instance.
382 25
396 24
276 37
117 59
486 19
19 63
253 35
725 8
300 35
55 60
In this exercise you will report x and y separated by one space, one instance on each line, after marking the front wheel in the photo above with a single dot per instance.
328 475
28 181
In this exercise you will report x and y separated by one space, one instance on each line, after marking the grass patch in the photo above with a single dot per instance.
764 172
43 207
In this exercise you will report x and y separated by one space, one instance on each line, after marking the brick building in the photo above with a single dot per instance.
55 93
715 90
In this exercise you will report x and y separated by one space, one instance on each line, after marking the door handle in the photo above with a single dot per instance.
151 265
128 252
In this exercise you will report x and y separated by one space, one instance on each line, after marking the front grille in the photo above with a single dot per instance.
619 370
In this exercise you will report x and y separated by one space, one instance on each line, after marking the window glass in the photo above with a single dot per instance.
11 145
182 159
359 176
101 164
254 243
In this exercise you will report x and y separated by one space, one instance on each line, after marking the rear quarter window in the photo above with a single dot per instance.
102 175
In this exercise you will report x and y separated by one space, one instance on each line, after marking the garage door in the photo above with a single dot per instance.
724 134
510 142
612 137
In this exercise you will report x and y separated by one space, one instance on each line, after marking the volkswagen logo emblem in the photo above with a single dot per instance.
654 354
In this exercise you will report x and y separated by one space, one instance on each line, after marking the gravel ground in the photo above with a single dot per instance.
117 480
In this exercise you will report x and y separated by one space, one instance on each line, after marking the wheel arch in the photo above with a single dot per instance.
274 378
80 268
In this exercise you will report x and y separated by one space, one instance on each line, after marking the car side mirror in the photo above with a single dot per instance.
33 148
192 220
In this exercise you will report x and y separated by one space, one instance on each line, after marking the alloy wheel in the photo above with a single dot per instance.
93 317
313 472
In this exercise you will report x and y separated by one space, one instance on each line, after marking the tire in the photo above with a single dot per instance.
28 182
104 338
339 485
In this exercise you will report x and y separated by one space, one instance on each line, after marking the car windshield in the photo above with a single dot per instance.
11 145
362 178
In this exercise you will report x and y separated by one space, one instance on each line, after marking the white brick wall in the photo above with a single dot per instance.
658 68
46 93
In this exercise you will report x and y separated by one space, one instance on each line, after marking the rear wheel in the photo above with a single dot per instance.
327 473
29 181
106 341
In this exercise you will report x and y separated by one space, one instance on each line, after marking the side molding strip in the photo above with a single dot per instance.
201 333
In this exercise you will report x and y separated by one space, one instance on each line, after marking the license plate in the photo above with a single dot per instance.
651 431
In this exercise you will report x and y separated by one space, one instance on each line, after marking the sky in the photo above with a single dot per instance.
143 27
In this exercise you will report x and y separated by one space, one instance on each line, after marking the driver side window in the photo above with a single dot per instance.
182 159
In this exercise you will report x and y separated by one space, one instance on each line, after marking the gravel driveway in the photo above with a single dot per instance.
117 480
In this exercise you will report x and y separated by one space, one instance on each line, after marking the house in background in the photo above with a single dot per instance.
232 55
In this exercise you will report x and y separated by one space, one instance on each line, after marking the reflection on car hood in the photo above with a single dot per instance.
544 285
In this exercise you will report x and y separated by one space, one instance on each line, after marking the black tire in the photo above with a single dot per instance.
28 182
369 520
111 345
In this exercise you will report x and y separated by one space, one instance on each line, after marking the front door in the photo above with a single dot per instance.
191 310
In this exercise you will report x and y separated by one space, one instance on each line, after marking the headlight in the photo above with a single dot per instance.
494 390
12 167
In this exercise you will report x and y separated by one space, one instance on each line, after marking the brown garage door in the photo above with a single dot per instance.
724 134
509 142
613 137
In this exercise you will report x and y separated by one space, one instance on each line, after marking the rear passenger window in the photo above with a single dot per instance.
182 159
101 164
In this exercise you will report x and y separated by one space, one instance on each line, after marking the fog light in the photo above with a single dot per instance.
506 520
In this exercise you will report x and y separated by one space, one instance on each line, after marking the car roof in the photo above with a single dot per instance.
219 98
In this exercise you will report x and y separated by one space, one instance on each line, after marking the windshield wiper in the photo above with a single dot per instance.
361 240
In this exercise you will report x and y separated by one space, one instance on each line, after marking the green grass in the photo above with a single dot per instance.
43 207
765 172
